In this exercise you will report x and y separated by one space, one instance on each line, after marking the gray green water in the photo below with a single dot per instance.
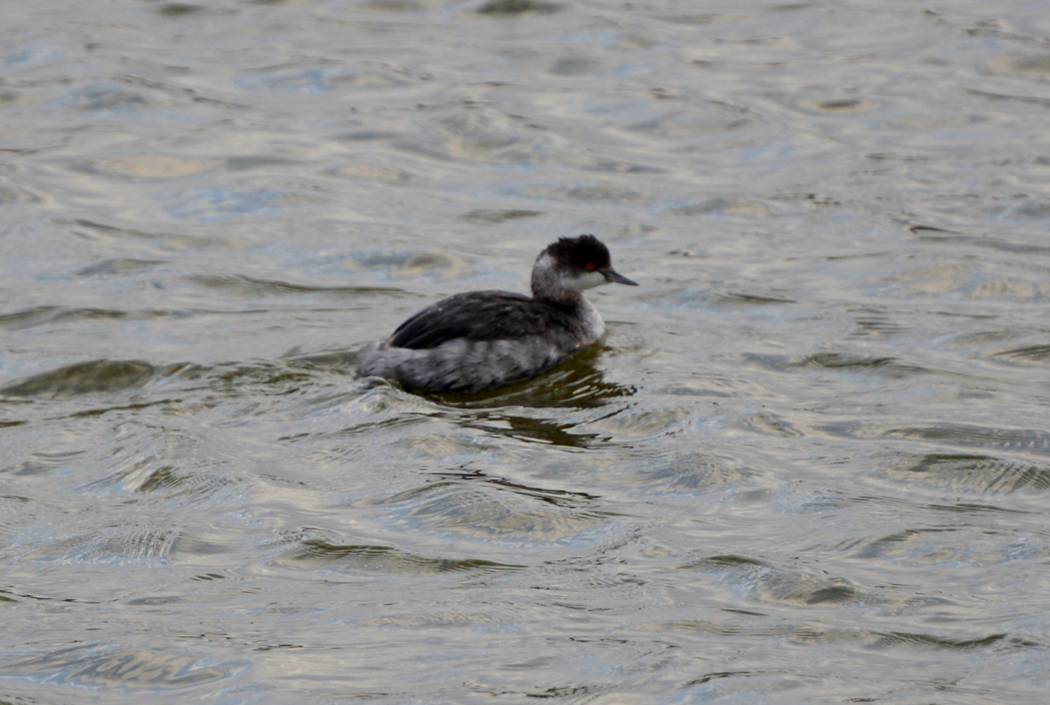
810 464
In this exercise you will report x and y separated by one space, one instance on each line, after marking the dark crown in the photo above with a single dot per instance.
579 252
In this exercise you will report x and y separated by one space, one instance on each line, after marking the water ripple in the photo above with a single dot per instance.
102 666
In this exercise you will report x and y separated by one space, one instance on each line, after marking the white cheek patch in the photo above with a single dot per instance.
587 280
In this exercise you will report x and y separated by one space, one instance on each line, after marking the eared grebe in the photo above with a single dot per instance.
481 339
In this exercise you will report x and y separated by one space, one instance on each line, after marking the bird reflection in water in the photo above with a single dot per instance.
576 384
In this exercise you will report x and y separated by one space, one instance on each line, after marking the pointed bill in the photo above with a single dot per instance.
611 275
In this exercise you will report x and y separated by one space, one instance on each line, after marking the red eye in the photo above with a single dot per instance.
590 266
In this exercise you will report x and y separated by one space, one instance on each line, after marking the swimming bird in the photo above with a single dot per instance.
483 339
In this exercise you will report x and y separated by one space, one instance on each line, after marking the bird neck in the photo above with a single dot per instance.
549 284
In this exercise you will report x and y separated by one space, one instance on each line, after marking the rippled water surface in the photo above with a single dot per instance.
809 464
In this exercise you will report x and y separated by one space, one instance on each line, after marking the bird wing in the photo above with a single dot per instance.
479 315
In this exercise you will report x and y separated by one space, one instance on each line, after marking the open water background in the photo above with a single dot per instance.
810 464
